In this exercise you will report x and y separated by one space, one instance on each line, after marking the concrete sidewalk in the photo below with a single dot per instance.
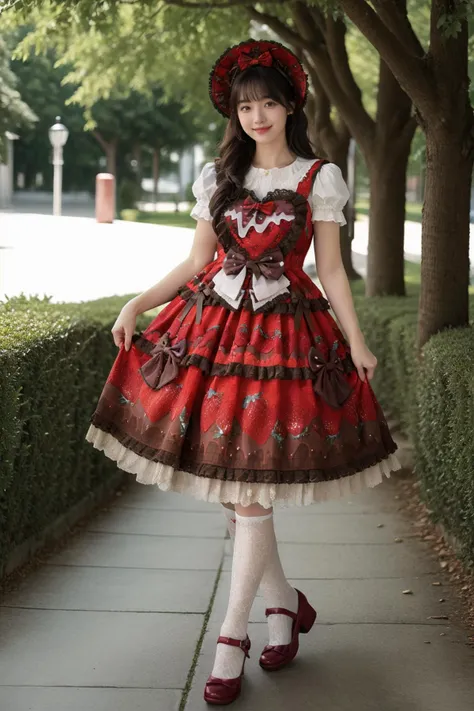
114 621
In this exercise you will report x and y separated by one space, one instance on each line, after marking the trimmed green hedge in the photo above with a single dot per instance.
434 402
389 327
54 360
444 436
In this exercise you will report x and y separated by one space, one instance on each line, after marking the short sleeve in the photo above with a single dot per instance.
329 195
203 189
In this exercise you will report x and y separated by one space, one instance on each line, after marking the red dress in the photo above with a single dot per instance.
243 389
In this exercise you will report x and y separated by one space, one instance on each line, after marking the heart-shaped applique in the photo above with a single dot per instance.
256 227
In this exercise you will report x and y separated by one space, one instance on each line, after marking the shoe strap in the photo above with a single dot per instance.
280 611
244 644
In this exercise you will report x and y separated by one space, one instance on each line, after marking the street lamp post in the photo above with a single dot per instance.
58 135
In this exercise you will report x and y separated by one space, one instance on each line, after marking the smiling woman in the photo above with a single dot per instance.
244 390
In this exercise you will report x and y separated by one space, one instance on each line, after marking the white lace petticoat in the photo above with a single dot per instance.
236 492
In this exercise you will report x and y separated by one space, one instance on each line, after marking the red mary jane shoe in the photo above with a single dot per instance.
225 691
278 656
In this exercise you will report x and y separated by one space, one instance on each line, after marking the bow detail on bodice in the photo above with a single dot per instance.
269 265
163 367
249 207
268 279
330 382
198 298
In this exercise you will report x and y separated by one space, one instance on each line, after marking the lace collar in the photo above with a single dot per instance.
263 180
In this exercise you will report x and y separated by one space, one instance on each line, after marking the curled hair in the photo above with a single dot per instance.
237 149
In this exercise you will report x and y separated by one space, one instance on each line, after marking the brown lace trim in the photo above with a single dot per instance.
278 305
254 372
186 462
300 204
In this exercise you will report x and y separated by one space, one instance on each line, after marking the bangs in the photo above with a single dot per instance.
254 89
259 83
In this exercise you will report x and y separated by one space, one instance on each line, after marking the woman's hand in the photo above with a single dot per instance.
363 359
124 327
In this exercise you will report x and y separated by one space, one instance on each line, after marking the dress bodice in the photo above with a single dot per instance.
262 250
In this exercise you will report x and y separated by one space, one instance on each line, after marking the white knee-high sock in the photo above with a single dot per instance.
278 592
275 589
231 521
254 537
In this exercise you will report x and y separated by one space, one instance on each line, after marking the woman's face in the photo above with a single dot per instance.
263 120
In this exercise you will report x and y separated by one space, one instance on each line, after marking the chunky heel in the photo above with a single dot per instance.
275 657
308 618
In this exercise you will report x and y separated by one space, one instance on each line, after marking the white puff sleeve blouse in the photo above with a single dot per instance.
327 199
203 189
329 195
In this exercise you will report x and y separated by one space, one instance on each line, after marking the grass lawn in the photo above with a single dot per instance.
172 219
412 209
412 281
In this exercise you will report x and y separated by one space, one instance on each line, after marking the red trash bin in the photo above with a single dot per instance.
104 197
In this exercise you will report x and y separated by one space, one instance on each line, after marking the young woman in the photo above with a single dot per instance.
244 391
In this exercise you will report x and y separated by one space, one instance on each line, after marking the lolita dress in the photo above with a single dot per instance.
243 389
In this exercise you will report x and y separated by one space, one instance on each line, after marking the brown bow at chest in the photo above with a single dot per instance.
163 367
269 265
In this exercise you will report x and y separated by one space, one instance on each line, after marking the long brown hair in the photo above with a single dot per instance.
237 149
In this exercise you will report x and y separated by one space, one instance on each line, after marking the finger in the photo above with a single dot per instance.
118 338
361 372
370 372
128 340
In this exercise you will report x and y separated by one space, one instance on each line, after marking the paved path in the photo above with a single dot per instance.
112 623
76 259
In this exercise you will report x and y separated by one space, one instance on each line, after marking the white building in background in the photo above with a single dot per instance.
189 166
6 173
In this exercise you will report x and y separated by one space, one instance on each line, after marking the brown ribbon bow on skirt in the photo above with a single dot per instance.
330 382
163 367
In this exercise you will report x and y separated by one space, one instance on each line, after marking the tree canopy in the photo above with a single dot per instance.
14 112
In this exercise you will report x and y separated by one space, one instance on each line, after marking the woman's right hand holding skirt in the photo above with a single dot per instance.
124 327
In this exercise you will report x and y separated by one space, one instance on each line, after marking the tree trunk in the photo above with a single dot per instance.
385 260
380 141
156 174
387 162
110 150
438 84
331 141
339 155
137 155
312 112
444 299
445 246
111 154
